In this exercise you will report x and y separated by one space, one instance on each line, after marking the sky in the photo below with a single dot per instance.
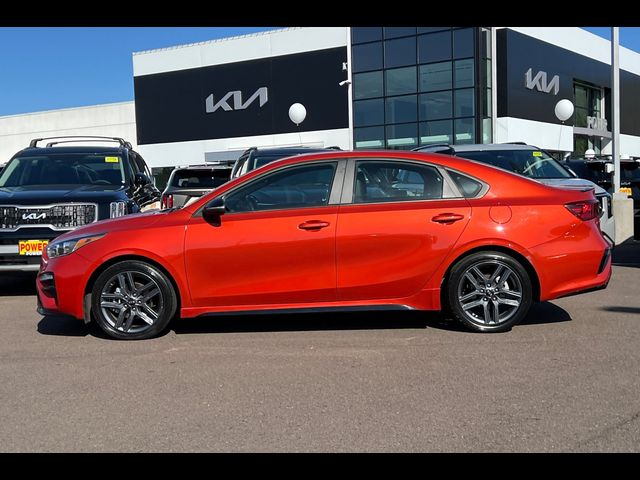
46 68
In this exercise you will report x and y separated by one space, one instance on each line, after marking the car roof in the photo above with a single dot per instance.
35 151
203 167
478 147
293 150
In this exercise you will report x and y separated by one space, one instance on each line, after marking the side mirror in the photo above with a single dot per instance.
140 180
213 210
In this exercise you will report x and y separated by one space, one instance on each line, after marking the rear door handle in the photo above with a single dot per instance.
447 218
313 225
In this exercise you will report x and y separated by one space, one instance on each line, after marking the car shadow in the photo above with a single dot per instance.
17 284
545 312
635 310
65 326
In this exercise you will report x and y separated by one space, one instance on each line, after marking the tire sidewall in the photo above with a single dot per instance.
167 289
455 277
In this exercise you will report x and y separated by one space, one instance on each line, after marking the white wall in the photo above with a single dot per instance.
548 136
111 120
239 49
185 153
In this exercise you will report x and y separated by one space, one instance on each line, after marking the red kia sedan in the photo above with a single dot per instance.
336 231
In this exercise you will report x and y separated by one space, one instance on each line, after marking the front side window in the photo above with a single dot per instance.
294 187
396 182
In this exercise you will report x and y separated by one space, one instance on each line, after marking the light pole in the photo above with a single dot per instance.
622 204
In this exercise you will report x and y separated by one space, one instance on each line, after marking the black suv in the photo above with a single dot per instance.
47 191
255 157
600 171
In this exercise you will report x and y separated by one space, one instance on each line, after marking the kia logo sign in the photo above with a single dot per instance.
261 94
33 216
539 82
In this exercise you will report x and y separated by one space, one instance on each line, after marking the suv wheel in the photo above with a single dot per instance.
489 292
133 300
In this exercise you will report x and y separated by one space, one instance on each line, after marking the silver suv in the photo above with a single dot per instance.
534 163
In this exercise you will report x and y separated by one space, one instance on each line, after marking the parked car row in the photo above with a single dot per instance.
337 231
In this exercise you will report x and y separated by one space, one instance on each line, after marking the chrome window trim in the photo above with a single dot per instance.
47 225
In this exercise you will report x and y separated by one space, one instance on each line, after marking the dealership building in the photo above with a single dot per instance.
362 87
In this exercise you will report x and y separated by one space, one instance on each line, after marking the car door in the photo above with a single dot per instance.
397 222
275 245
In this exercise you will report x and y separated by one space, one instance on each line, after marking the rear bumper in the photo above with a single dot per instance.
573 264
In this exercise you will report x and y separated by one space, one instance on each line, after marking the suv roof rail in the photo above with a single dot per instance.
515 143
443 147
80 138
334 147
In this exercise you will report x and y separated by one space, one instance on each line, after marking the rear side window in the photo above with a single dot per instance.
467 185
200 179
396 182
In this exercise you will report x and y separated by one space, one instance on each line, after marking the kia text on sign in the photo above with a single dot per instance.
539 82
223 103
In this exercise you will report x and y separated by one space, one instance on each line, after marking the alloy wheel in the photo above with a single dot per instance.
131 301
489 292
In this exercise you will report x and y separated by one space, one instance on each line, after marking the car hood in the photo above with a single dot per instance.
52 194
573 183
134 221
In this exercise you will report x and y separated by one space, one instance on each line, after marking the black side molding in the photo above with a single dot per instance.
278 311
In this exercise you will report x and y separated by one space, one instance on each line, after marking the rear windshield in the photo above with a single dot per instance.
200 178
264 159
64 169
530 163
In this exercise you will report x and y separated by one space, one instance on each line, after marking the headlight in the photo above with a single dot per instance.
65 247
117 209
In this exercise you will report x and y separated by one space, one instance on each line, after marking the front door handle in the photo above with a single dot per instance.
447 218
313 225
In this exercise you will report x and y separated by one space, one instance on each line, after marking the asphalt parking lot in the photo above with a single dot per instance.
566 380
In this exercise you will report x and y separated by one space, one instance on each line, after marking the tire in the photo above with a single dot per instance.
133 313
506 287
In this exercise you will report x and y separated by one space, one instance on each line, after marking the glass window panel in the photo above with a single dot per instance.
440 131
437 105
368 112
398 53
367 57
402 109
463 73
463 43
464 131
486 104
400 81
367 85
369 137
432 29
485 48
464 103
580 117
435 76
581 96
595 100
487 136
396 182
402 136
365 34
394 32
434 47
298 187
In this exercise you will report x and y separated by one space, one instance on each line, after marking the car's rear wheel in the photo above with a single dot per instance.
133 300
489 292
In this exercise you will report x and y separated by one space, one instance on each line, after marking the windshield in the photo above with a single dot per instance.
530 163
200 178
63 169
261 160
630 171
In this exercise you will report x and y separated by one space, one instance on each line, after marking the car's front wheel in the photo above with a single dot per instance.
133 300
489 292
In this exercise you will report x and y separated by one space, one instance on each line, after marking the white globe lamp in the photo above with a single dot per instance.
564 110
297 113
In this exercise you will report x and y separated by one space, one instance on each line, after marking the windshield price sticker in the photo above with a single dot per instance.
111 159
536 154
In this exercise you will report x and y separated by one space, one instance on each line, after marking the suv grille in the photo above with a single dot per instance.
58 217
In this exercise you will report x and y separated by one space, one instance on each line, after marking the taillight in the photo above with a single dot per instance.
586 210
167 201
